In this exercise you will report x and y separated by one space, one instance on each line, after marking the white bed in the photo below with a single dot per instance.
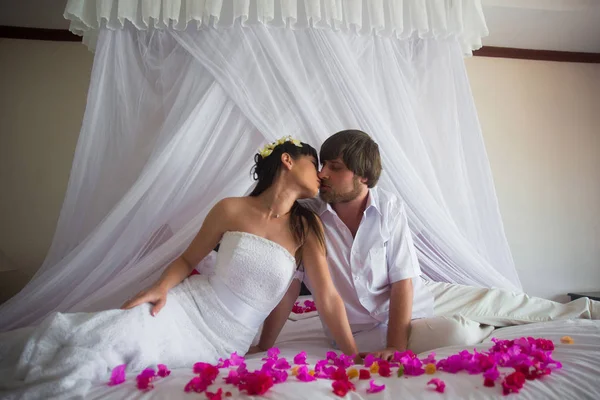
578 379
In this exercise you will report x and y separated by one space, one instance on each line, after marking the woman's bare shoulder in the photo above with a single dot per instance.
232 206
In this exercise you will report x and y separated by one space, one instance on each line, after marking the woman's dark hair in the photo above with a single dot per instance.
302 220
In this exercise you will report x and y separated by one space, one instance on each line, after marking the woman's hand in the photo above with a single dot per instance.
254 350
154 295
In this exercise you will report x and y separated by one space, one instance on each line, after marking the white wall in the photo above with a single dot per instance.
541 126
540 122
43 88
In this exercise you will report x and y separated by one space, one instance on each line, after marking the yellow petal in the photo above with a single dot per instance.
430 369
352 373
311 372
297 142
375 368
567 340
295 370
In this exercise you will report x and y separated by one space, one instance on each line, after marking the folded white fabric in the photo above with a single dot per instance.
499 307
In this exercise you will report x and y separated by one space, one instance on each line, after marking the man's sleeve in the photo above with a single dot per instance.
402 261
299 274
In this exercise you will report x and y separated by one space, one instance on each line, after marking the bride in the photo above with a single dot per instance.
182 319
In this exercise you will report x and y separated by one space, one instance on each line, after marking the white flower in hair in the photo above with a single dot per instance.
268 148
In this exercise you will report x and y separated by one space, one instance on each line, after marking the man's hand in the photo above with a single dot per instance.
386 354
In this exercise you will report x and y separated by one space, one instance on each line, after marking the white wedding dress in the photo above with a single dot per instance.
205 317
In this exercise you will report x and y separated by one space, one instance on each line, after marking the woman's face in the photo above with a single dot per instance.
305 174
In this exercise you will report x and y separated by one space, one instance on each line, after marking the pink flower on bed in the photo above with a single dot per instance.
215 396
344 361
233 361
384 369
342 387
331 355
117 375
145 378
430 359
279 376
163 371
369 360
413 367
303 374
233 378
196 384
300 358
374 388
339 375
268 364
209 373
492 374
282 363
272 353
257 383
513 383
200 366
297 309
440 386
309 306
324 370
364 374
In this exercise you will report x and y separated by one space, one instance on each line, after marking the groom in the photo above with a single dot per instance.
371 256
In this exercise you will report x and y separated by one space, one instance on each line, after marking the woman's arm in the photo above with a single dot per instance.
213 227
328 301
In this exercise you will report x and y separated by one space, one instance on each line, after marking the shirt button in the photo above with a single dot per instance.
356 278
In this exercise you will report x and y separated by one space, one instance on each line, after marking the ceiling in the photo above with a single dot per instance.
564 25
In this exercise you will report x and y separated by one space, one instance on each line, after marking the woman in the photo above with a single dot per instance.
181 320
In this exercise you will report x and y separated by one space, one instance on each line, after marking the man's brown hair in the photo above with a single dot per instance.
357 150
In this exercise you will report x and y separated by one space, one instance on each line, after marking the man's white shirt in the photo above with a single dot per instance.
364 267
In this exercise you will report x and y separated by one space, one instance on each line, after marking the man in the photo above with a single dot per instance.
371 256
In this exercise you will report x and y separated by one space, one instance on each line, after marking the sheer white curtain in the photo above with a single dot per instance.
173 121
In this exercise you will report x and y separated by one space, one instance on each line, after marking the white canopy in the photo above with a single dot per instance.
400 18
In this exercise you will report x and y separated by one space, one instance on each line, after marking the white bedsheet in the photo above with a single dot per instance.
579 378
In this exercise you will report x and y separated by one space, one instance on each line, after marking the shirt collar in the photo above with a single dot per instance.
372 201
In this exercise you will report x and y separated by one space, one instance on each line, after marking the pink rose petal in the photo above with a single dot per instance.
145 378
163 371
117 375
440 386
215 396
373 388
300 358
196 384
233 378
369 360
282 363
279 376
303 374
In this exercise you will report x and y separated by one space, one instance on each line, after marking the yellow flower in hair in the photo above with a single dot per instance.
268 148
265 151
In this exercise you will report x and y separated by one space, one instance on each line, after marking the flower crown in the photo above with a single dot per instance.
268 148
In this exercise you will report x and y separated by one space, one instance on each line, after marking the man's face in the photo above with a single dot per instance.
338 183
